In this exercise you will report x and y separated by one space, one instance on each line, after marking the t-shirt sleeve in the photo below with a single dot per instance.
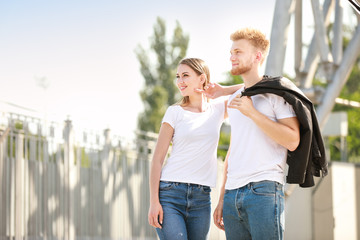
283 109
169 116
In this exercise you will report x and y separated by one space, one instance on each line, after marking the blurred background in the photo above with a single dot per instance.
84 86
77 59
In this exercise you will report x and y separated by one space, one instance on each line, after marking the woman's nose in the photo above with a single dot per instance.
180 80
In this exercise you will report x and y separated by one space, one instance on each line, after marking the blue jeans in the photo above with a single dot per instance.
187 211
255 211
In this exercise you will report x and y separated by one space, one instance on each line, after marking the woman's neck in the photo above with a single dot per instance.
198 103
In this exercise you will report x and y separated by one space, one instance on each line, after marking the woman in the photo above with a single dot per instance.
180 191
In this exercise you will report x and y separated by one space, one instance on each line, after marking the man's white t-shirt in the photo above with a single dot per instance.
193 158
254 156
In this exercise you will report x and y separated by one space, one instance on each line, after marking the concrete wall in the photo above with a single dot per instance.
322 202
328 211
344 206
298 213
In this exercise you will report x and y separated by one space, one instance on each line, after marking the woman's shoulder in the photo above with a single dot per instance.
173 109
219 104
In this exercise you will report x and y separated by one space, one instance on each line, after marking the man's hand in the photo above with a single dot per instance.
243 104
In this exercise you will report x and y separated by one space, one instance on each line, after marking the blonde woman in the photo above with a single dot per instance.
180 190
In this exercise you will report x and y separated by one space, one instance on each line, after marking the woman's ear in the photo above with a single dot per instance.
202 78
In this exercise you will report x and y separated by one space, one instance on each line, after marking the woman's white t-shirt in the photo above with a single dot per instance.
193 158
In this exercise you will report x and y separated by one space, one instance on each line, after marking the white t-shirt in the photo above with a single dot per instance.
254 156
194 150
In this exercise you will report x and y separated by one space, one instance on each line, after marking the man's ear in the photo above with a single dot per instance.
259 56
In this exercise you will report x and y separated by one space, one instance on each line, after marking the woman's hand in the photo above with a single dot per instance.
214 90
155 215
211 90
218 216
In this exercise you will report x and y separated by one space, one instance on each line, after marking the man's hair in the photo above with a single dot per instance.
255 37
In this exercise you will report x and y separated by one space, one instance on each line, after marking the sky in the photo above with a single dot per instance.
84 51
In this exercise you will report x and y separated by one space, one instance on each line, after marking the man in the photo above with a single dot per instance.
263 128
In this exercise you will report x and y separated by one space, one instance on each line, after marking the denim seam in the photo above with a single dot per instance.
235 203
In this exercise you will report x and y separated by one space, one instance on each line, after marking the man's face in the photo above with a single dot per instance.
242 57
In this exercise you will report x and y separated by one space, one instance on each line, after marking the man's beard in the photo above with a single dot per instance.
240 70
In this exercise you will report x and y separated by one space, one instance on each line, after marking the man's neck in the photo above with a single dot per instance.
251 79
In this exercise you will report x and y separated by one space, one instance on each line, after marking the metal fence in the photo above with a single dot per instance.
57 182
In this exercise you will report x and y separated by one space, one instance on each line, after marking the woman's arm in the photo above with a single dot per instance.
155 215
218 212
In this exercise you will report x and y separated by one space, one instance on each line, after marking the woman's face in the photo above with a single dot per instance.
187 80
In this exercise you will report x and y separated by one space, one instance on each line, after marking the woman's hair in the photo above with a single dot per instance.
200 67
255 37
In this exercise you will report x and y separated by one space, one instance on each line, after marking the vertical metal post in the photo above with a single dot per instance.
313 57
278 39
19 187
298 39
337 42
69 182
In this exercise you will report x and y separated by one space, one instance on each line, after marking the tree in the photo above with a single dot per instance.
351 92
160 91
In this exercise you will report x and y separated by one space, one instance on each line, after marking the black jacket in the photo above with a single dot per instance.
309 157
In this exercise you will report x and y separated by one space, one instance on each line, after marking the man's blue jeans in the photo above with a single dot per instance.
187 211
255 211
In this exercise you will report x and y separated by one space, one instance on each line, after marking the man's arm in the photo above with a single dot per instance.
214 90
285 132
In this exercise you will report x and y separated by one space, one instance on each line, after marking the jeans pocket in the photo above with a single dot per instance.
265 188
205 189
164 186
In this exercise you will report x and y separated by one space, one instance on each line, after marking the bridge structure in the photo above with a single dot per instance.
323 58
320 210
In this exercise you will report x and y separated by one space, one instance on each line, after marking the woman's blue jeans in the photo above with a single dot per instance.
187 211
255 211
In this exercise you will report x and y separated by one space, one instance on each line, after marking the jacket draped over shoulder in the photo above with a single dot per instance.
309 159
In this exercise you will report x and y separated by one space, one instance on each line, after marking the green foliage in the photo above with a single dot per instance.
350 91
155 106
231 79
224 140
160 91
224 143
